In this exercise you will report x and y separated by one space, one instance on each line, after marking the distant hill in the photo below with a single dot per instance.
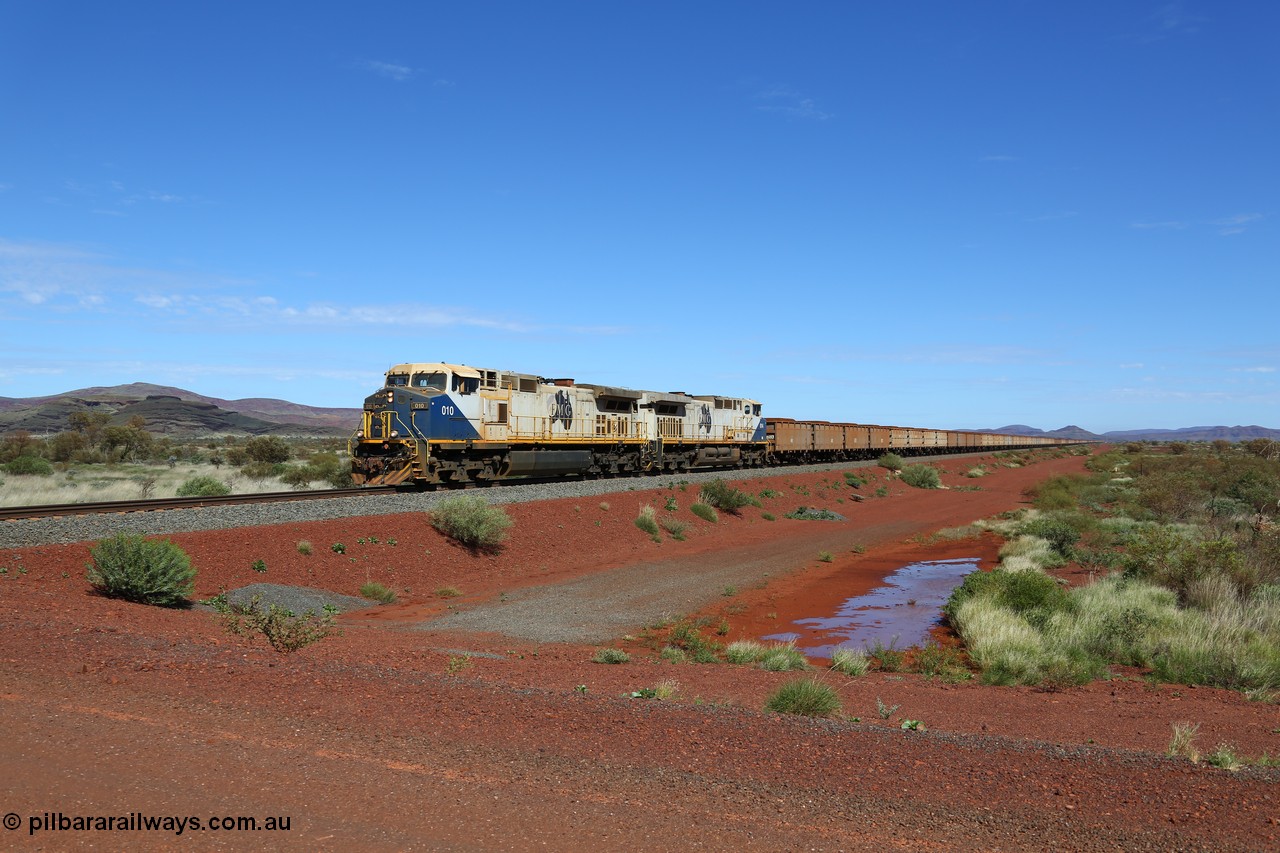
1204 433
175 411
1235 433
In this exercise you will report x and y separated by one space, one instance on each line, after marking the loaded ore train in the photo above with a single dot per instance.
449 424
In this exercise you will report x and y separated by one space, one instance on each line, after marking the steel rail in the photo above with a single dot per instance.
10 513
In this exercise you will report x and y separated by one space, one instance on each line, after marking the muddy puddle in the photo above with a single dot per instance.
900 612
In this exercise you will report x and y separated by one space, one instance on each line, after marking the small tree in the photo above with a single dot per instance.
203 487
35 465
148 571
267 448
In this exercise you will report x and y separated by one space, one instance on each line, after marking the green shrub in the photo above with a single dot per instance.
611 656
804 696
806 513
887 658
375 591
646 522
890 461
1032 595
721 495
673 526
850 661
946 662
1060 533
705 512
745 651
284 630
259 471
203 487
470 519
131 567
298 478
29 466
783 658
267 448
921 476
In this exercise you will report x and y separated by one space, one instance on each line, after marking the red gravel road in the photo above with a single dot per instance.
392 737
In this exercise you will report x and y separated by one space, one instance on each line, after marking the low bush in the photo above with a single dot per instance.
783 658
1032 595
148 571
283 629
921 476
610 656
888 658
804 696
470 519
890 462
203 487
29 466
745 651
806 513
850 661
648 523
705 512
721 495
674 526
375 591
1058 531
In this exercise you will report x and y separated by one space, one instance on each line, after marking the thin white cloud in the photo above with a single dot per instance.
68 279
1054 217
934 355
390 70
1254 369
1135 365
787 101
1158 226
1234 224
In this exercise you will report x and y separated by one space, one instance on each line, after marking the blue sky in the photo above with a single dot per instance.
931 213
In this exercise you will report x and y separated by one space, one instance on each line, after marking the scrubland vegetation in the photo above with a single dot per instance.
1185 551
96 461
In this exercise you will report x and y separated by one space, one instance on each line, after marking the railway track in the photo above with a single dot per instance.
154 504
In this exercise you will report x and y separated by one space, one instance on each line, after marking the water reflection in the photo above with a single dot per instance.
902 611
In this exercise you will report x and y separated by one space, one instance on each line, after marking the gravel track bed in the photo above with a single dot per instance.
85 528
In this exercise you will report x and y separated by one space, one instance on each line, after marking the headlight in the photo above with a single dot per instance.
395 433
391 395
360 434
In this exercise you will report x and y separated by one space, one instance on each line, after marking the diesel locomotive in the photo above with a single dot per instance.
434 423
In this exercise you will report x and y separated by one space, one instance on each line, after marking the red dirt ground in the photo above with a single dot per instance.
392 737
